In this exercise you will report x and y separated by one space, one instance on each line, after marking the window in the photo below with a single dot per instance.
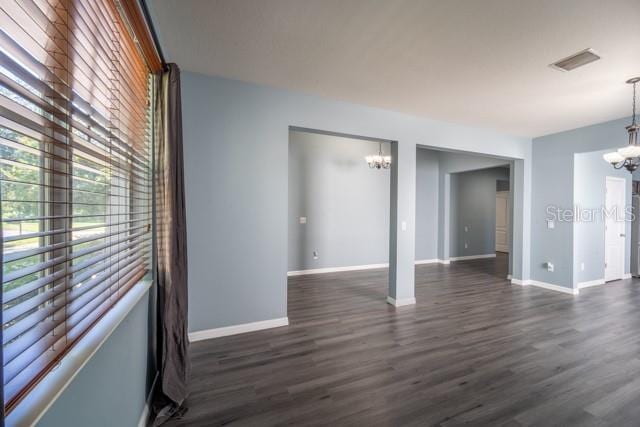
75 179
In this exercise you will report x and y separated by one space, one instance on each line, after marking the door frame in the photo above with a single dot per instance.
624 248
507 196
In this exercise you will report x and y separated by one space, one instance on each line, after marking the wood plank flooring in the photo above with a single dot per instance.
474 350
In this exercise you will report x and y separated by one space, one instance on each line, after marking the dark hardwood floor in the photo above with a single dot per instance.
474 350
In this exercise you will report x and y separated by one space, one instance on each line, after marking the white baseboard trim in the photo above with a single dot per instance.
464 258
336 269
374 266
208 334
146 411
384 265
401 302
427 261
544 285
432 261
626 276
552 287
590 283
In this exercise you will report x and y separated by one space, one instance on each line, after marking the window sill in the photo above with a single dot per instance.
35 404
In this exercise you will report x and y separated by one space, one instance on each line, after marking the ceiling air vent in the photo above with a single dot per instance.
577 60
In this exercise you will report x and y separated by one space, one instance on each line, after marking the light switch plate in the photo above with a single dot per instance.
551 223
303 220
404 225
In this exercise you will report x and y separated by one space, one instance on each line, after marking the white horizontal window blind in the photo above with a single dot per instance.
74 176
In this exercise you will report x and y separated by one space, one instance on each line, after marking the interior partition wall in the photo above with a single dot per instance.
243 129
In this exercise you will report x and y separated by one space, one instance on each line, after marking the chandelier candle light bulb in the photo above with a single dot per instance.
628 157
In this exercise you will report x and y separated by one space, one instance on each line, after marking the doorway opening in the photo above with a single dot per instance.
603 231
339 213
479 201
464 208
503 220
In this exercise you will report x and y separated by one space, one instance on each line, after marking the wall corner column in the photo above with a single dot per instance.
402 224
444 212
521 267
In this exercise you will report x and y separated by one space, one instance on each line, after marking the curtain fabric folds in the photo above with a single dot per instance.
171 251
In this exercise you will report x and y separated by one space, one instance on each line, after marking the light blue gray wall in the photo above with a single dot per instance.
327 179
590 172
343 201
473 211
346 203
111 389
427 184
552 176
451 162
235 143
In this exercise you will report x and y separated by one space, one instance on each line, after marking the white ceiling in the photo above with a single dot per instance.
480 62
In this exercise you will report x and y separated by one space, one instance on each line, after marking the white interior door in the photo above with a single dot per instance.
614 237
502 221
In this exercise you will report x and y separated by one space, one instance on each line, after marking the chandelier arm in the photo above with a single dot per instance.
620 165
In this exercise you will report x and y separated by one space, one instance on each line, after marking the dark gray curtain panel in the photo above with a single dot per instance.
171 251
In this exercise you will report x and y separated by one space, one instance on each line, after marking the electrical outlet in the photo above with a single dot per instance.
466 245
315 255
582 266
550 267
466 228
551 223
303 220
